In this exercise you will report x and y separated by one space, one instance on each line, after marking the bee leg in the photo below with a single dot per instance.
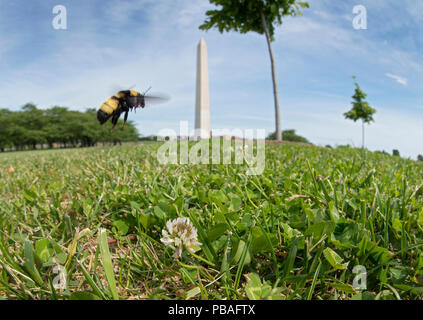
124 119
114 121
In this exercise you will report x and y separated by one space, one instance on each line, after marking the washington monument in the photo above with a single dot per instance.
202 101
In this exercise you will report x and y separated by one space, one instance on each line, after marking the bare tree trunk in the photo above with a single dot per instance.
275 87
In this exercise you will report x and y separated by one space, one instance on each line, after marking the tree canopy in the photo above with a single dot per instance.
288 135
31 127
361 109
245 15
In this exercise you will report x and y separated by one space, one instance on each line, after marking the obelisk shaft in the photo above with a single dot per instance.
202 104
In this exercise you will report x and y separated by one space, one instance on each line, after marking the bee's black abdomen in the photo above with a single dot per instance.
102 116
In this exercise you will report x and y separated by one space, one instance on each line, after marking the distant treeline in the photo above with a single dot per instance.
57 127
288 135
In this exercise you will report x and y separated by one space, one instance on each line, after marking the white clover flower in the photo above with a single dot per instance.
180 232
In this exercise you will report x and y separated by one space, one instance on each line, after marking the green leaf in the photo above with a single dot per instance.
399 274
121 226
320 229
87 208
193 292
237 253
107 263
61 256
253 288
397 225
333 212
420 219
235 202
289 263
289 233
146 220
29 195
29 264
135 205
43 249
412 288
259 242
348 234
313 283
363 296
370 249
344 287
84 295
217 196
334 259
217 231
161 210
256 290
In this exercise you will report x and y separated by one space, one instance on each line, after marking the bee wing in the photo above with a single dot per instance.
156 98
141 101
135 101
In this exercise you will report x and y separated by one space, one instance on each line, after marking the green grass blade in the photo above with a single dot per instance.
107 263
313 284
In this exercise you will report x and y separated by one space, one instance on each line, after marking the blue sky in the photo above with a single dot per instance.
113 44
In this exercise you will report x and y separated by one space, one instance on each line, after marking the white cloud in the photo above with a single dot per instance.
399 79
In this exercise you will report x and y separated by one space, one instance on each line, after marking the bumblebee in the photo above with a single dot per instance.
123 102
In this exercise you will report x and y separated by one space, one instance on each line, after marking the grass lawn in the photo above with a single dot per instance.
87 224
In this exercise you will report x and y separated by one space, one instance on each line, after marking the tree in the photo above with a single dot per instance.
395 153
32 127
56 118
288 135
361 109
33 120
261 16
420 157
